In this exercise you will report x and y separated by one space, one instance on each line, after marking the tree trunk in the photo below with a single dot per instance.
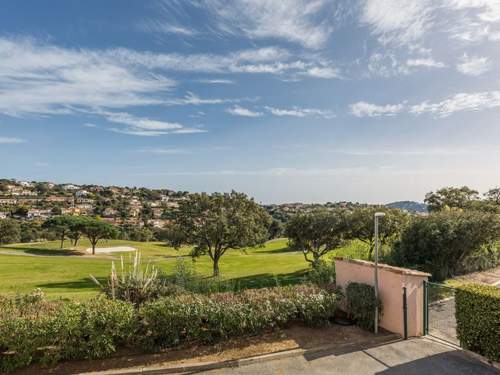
62 241
216 267
93 247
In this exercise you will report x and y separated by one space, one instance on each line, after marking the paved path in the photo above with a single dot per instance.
442 322
411 357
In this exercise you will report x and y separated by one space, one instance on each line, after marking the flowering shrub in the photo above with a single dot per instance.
34 330
40 331
170 321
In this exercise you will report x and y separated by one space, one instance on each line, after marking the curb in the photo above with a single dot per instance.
205 366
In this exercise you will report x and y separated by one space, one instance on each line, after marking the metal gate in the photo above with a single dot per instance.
439 312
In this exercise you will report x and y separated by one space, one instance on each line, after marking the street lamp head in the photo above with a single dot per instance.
379 214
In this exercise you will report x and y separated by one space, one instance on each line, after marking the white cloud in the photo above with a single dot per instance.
164 151
425 62
43 79
300 112
306 22
217 81
10 140
386 65
324 72
164 28
477 101
241 111
399 21
193 99
364 109
142 126
461 102
474 65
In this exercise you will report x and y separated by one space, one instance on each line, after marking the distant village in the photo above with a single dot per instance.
38 201
131 206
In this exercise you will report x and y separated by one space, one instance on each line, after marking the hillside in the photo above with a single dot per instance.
410 206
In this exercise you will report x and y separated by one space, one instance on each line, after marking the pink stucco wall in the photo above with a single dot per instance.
391 283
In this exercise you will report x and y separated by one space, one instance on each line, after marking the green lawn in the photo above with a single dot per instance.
65 273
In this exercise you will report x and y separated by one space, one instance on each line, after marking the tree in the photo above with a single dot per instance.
317 232
276 229
219 222
362 225
75 228
60 225
493 195
9 231
450 197
97 229
443 241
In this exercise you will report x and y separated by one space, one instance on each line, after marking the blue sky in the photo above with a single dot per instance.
296 100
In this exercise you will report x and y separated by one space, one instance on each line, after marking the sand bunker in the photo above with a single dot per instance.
108 250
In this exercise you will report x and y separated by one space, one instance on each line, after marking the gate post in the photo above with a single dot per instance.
426 307
405 314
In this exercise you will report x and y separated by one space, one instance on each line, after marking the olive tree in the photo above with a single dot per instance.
316 233
450 197
362 225
215 223
9 231
442 242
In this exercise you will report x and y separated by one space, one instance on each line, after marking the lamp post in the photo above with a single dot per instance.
377 216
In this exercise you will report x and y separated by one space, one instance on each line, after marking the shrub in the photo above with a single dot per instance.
39 331
361 303
441 242
135 283
323 274
478 319
170 321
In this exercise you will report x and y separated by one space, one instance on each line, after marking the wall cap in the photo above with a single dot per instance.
398 270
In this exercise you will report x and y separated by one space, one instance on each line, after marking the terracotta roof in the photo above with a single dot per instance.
399 270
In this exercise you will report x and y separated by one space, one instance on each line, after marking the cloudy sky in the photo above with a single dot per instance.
290 100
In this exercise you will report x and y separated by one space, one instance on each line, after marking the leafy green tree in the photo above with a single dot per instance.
450 197
276 229
9 231
362 225
30 231
442 241
20 212
97 229
59 225
493 195
219 222
316 233
76 224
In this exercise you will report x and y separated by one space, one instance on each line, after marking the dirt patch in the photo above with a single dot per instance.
292 338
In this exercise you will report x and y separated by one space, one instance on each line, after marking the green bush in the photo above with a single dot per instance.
33 330
40 331
323 274
478 319
361 303
444 242
196 318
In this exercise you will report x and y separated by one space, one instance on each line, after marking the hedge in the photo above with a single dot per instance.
478 319
33 330
197 318
360 304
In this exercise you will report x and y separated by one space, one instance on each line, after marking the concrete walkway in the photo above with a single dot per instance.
414 356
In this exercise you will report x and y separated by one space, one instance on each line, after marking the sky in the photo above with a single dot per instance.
291 100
